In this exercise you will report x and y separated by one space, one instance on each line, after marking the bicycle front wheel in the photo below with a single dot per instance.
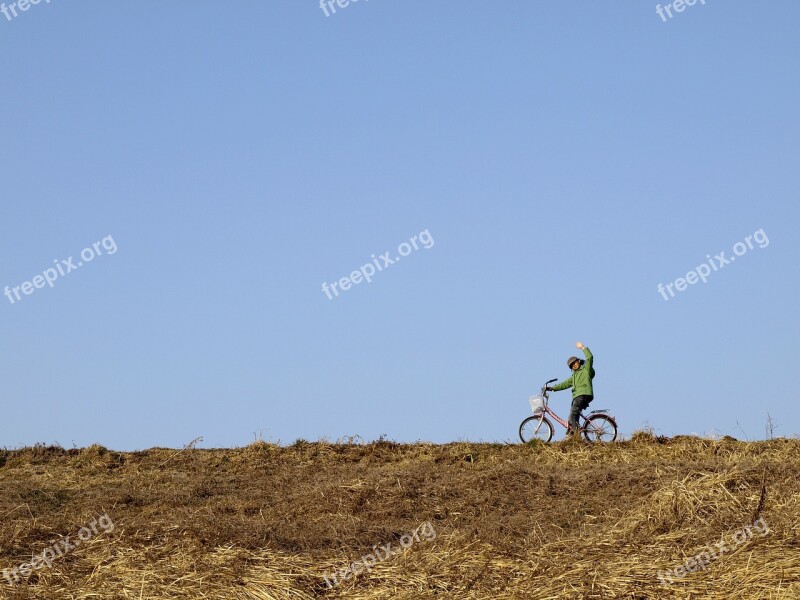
600 428
535 428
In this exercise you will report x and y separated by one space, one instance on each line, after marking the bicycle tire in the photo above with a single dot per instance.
545 432
600 428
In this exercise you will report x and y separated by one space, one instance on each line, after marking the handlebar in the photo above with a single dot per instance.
544 387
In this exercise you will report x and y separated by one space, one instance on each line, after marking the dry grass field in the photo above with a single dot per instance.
563 520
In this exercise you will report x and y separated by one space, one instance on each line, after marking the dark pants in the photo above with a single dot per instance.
579 404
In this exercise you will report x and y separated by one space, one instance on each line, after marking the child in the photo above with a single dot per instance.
581 383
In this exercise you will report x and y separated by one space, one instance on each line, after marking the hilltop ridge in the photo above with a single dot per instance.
460 520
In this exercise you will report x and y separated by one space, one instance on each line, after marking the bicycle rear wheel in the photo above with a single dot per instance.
600 428
530 429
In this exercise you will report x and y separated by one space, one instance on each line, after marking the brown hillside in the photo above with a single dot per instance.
491 521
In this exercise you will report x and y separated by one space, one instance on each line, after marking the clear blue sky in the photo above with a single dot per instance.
566 158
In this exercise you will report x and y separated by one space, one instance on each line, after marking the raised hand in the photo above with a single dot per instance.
580 346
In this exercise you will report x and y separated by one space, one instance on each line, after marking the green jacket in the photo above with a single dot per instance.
581 380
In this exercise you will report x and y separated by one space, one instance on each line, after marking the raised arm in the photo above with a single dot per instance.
587 353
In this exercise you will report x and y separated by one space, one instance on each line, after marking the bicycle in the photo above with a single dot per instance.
599 426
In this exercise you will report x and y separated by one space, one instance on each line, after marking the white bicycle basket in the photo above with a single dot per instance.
537 404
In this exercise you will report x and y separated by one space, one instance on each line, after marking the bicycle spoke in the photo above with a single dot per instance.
535 428
599 429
